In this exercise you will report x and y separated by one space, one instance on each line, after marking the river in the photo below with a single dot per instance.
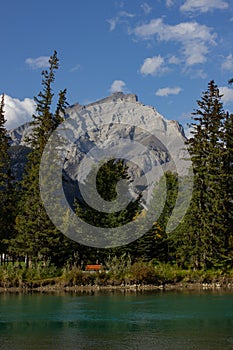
117 320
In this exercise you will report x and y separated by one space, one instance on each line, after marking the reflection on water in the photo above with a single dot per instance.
155 320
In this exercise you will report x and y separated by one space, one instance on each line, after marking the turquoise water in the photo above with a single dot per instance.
155 320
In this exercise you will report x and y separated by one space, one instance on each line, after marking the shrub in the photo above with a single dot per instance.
143 273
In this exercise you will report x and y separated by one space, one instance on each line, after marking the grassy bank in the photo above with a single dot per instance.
115 274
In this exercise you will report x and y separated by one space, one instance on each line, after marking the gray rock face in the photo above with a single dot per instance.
110 122
19 134
117 118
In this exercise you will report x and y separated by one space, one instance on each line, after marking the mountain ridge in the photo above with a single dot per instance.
109 121
18 134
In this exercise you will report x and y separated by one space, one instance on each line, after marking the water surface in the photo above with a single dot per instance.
152 320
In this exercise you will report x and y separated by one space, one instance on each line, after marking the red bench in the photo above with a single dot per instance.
93 267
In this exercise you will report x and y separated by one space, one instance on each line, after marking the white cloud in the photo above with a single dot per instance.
120 18
39 62
227 94
193 37
146 8
145 31
117 85
153 66
228 63
168 91
195 52
169 3
113 23
126 14
18 112
180 32
203 5
174 60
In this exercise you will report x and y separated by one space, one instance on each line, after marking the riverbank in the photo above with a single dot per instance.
132 277
43 287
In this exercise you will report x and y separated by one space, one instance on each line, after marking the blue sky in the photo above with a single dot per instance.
165 51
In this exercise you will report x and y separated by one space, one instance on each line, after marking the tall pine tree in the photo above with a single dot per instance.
202 233
8 200
227 187
37 237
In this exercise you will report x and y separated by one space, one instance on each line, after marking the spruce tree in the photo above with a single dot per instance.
8 198
155 244
201 234
4 143
4 168
37 237
227 187
106 180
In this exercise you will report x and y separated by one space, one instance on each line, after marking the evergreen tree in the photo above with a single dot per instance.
4 143
155 244
8 202
106 180
4 168
227 187
60 110
201 234
37 237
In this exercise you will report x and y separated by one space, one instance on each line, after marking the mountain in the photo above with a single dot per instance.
94 122
117 126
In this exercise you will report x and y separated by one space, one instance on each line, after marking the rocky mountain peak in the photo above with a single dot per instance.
110 120
115 97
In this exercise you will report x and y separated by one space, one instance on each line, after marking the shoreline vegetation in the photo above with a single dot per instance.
140 276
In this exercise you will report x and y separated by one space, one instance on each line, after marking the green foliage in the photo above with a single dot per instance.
8 194
4 143
121 272
119 267
37 237
109 174
18 275
155 244
203 238
107 178
143 273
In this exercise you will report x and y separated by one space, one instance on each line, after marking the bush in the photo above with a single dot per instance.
143 273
